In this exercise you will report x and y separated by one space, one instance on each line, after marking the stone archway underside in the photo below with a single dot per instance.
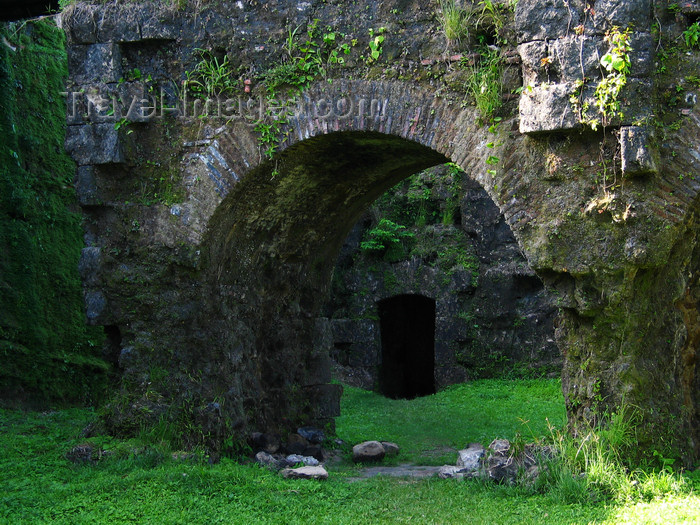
212 264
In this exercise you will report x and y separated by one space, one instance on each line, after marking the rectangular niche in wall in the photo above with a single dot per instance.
407 325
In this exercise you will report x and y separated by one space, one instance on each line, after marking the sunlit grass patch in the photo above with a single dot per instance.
479 411
141 483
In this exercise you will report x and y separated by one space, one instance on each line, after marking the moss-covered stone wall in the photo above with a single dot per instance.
48 354
439 235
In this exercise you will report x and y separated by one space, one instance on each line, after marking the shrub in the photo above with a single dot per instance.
387 240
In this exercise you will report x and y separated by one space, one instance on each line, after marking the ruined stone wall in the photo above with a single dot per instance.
210 263
494 318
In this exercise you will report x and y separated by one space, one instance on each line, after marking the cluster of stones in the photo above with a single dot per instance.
302 456
86 453
558 58
301 448
499 462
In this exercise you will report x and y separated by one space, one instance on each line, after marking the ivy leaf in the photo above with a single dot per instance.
607 61
618 63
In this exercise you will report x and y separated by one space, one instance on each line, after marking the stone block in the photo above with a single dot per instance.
470 457
79 21
317 473
636 152
575 57
452 328
326 400
450 472
312 434
162 25
636 101
94 144
120 24
690 7
609 13
547 108
391 449
368 452
86 187
531 55
318 369
444 353
99 103
135 103
449 375
641 54
95 307
269 461
94 63
89 265
363 354
353 330
322 336
547 19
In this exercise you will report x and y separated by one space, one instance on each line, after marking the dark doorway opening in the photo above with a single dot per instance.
18 9
407 325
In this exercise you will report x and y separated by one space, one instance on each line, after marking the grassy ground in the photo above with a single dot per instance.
38 485
427 428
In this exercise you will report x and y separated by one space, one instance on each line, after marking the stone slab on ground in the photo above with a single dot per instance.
400 471
318 473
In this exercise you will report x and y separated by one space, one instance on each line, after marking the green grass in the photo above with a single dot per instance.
479 411
38 485
454 21
484 83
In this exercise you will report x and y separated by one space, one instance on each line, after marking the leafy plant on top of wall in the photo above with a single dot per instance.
484 84
307 59
454 22
483 22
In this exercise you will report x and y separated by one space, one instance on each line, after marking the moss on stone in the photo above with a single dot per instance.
48 352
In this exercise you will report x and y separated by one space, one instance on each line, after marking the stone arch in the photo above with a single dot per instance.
627 276
277 230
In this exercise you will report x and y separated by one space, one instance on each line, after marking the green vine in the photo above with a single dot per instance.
375 44
615 65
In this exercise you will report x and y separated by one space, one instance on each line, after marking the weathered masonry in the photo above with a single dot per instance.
207 261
